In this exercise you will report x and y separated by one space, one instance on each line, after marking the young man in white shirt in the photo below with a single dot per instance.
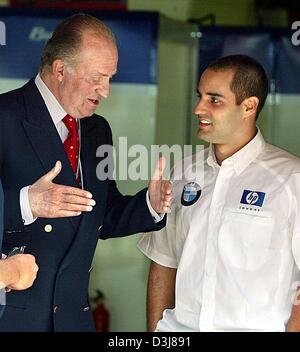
229 257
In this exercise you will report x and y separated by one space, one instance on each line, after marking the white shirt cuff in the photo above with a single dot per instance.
25 207
156 217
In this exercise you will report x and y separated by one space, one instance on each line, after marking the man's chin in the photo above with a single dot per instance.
204 136
86 114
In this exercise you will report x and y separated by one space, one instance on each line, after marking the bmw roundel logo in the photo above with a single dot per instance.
190 194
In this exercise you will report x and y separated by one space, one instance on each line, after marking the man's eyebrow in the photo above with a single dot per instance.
105 75
212 94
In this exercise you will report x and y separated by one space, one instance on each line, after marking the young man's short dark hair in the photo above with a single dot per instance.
249 78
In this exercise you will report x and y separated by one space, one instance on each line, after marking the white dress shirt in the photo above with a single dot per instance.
57 114
237 248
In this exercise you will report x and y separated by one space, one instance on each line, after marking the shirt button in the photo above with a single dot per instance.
48 228
208 273
86 309
55 309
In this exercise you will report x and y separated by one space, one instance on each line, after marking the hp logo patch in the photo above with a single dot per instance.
190 194
253 198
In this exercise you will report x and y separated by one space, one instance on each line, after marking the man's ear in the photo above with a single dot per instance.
250 106
58 69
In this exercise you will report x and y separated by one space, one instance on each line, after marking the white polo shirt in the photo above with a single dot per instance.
237 247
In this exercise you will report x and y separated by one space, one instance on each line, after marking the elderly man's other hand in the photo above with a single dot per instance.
50 200
160 190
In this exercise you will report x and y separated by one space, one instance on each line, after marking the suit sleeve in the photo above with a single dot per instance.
126 215
13 222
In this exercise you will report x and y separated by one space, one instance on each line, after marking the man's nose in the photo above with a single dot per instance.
104 89
200 107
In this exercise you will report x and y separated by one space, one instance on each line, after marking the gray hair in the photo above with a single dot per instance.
66 39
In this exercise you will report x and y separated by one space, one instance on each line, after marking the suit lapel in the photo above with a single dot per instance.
91 138
44 138
88 153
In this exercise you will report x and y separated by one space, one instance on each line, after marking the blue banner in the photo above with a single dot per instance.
272 47
28 30
288 66
217 42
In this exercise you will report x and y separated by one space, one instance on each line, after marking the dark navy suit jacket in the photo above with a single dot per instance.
1 214
29 148
2 293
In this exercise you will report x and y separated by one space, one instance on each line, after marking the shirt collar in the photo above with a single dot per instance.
56 111
211 159
243 157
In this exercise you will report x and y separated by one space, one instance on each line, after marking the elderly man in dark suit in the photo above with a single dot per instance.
51 121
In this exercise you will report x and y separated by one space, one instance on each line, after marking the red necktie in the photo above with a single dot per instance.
71 144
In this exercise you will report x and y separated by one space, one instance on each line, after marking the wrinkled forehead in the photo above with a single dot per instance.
97 44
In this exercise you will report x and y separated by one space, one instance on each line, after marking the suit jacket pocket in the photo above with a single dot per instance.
18 299
18 239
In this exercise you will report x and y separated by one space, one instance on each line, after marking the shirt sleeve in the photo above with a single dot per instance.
25 207
160 246
156 217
